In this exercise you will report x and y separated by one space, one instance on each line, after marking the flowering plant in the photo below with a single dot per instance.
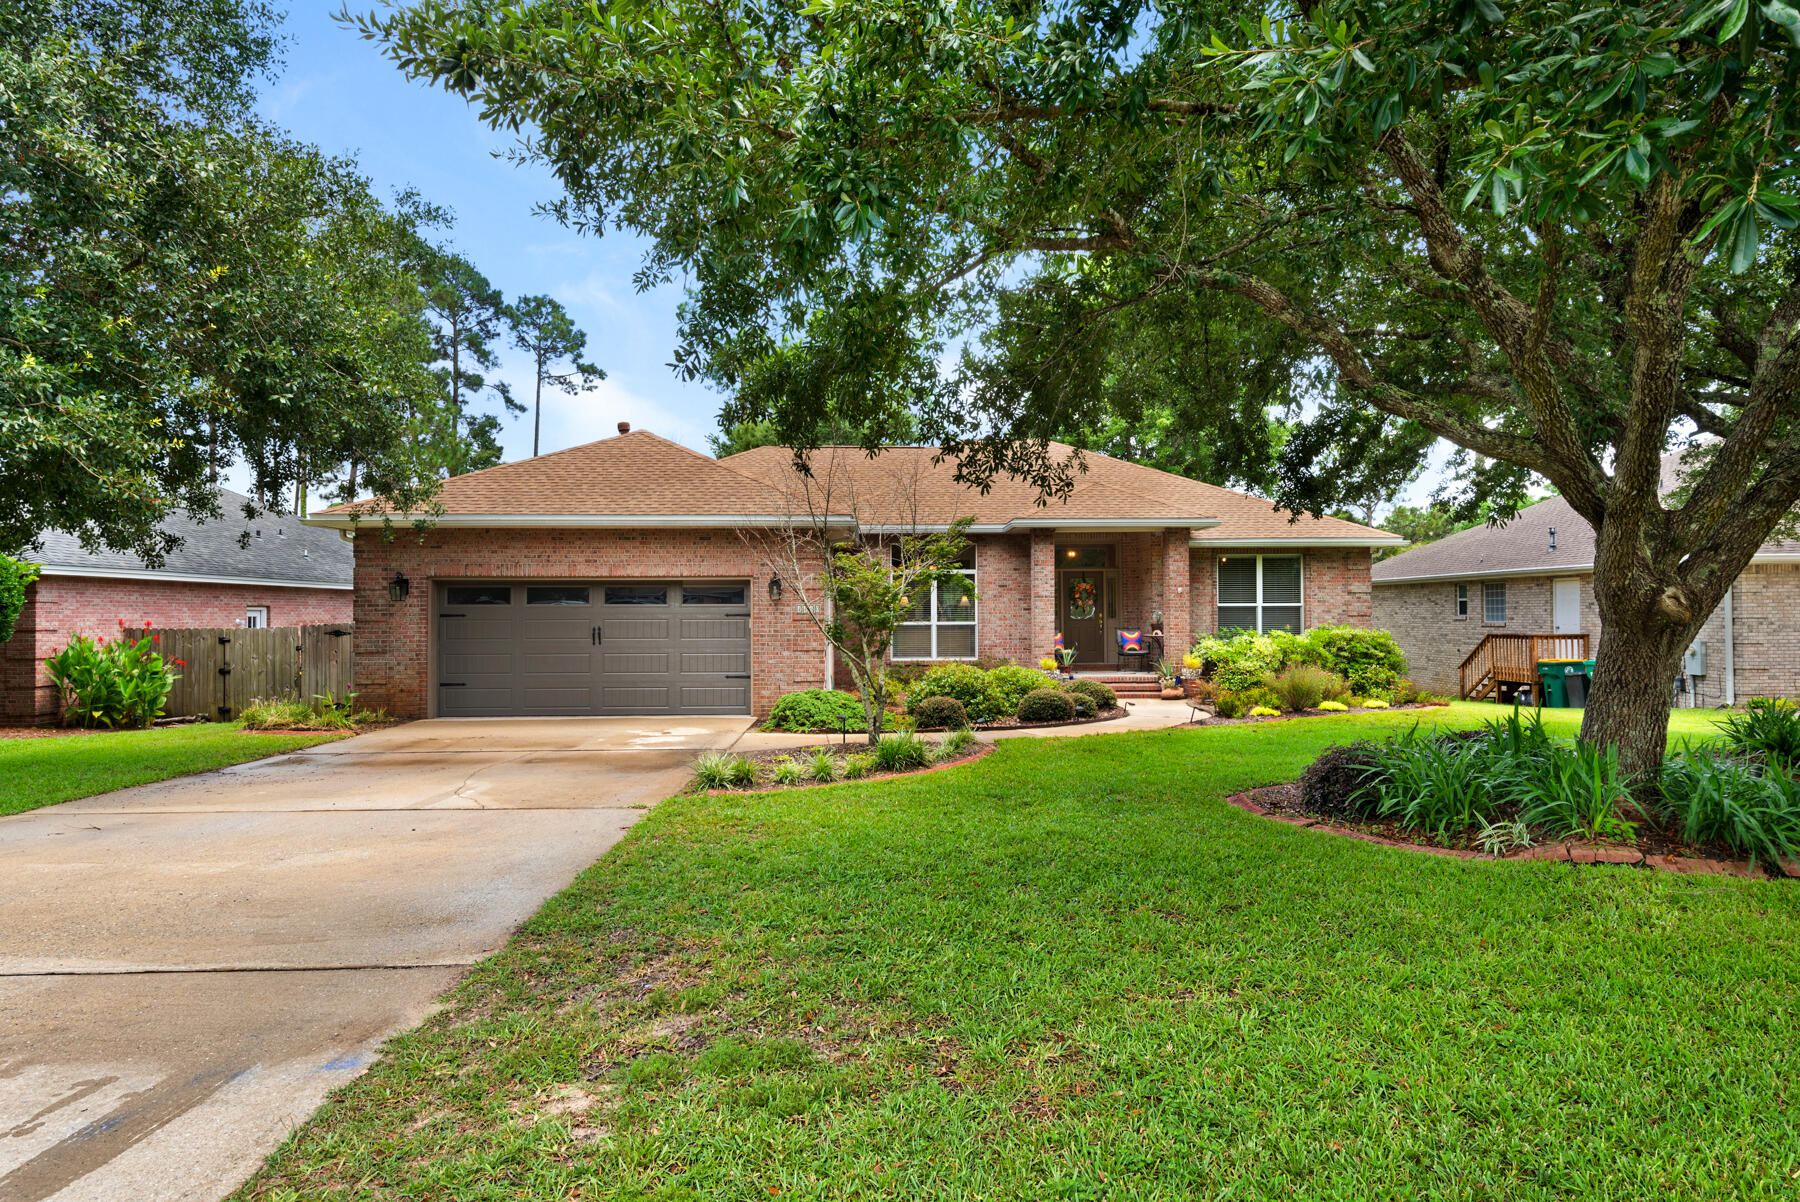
121 683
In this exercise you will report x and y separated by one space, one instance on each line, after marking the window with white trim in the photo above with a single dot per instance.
1493 601
1260 593
256 617
1462 600
941 621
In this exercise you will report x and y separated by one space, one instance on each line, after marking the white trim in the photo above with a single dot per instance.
185 578
715 520
1298 540
1559 569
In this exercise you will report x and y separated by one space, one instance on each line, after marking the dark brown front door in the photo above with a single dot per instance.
1081 609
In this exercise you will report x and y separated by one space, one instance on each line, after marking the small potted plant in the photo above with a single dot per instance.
1047 665
1065 659
1190 675
1170 675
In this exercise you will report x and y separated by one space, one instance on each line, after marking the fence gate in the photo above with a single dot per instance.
229 666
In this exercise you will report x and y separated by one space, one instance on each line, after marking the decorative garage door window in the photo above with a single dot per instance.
561 594
478 594
712 594
637 594
940 623
1260 593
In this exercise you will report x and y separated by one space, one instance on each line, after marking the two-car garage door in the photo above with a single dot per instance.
599 647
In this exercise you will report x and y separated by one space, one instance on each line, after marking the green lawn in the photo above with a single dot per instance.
1069 971
41 772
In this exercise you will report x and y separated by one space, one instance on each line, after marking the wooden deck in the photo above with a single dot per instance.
1501 662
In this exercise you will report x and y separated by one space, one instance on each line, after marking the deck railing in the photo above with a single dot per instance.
1513 658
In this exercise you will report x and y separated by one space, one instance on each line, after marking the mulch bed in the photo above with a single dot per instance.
1010 722
765 759
42 732
1214 720
1656 849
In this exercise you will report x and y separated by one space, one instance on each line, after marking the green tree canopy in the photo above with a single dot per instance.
1556 234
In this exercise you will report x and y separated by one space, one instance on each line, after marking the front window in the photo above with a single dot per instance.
1260 593
940 623
1493 601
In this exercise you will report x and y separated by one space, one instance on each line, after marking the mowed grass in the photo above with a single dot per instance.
1070 971
43 771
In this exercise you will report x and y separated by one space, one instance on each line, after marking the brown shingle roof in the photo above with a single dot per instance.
638 475
1521 546
1109 490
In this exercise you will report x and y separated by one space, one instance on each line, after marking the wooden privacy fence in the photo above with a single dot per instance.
227 667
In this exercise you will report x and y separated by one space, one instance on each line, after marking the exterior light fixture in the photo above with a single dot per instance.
399 587
775 589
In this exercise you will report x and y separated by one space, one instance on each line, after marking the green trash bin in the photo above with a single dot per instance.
1550 676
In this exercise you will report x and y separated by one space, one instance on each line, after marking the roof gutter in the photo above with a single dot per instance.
185 577
614 521
1392 540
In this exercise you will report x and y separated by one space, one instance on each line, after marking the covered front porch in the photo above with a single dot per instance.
1099 584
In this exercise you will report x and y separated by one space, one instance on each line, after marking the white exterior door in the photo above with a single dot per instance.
1567 598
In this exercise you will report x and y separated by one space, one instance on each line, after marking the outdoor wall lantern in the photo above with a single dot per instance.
775 589
399 587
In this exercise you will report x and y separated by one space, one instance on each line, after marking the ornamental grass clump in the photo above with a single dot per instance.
1748 806
1304 687
1769 728
712 770
899 753
824 766
787 772
956 743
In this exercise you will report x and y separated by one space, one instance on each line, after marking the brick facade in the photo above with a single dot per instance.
1334 585
393 639
1015 582
59 607
1765 621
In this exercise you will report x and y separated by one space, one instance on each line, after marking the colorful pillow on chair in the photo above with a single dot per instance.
1131 642
1059 642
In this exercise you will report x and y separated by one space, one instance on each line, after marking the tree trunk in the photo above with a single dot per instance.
537 411
1630 702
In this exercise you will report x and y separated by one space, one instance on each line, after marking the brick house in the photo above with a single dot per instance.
1535 575
285 574
633 576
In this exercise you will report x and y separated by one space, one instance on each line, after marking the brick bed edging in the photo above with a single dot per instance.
1564 852
981 750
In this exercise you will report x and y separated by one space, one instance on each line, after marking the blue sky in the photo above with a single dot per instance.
339 93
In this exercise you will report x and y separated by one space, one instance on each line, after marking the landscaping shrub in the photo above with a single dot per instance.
940 713
121 683
1768 728
1097 691
742 771
965 682
1047 705
1371 660
823 766
1746 806
1265 711
1303 687
1577 790
1333 707
1241 660
1338 781
787 772
1227 704
1007 686
321 713
814 709
856 767
897 753
712 770
1433 784
954 744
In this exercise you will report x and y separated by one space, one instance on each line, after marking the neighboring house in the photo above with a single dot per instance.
1535 575
626 576
286 574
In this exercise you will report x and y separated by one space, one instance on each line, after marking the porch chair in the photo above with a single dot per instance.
1131 642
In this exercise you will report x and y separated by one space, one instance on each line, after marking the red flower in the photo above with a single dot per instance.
121 623
146 623
180 663
156 638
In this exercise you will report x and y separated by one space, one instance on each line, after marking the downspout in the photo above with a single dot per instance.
1730 651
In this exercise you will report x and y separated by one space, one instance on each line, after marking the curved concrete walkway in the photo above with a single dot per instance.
187 968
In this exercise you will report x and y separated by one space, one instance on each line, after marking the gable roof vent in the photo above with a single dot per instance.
624 427
1553 538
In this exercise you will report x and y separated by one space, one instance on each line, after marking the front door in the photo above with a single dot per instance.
1082 613
1566 595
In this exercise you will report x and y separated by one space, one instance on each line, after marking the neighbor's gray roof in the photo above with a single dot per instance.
279 550
1521 547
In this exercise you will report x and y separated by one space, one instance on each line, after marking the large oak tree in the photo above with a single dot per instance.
1556 234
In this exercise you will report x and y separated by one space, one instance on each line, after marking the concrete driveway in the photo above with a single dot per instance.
187 968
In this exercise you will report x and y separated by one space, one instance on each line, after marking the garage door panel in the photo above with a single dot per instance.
655 653
712 699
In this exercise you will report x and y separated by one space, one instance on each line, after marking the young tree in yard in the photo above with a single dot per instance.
854 585
543 330
1559 235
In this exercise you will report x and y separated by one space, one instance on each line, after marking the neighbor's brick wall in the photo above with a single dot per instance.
1766 615
59 607
393 649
